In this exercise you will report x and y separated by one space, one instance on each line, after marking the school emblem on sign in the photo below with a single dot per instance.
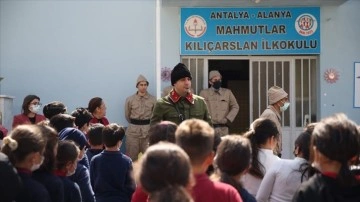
306 24
195 26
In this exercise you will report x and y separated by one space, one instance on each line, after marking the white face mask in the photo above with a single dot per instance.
35 108
37 166
285 106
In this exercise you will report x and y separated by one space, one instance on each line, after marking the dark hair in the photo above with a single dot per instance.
261 130
95 134
53 108
338 139
112 134
196 137
22 141
94 103
67 152
171 193
303 143
233 157
82 116
27 100
217 139
162 165
61 121
50 136
163 131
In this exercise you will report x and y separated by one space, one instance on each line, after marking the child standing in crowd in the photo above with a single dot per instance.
163 131
263 136
81 175
111 171
62 121
285 176
25 147
66 163
335 143
45 174
29 112
196 137
233 160
53 108
164 165
95 140
82 119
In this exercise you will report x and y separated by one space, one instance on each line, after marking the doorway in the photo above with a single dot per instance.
235 76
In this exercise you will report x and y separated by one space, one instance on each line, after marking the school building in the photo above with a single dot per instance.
74 50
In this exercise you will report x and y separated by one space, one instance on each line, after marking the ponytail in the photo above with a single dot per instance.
256 167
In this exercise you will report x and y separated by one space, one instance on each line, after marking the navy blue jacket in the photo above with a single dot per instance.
90 153
82 178
110 173
32 190
52 183
71 190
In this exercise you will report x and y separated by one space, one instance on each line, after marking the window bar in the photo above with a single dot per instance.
302 91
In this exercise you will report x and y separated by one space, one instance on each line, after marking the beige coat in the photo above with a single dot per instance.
140 108
222 105
271 113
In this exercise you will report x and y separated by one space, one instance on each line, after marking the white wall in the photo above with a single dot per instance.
170 39
340 48
75 50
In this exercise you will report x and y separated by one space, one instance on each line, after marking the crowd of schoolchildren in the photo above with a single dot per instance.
76 157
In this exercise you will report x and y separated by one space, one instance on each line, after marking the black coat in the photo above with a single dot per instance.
321 188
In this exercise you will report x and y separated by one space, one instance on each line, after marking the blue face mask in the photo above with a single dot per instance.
285 106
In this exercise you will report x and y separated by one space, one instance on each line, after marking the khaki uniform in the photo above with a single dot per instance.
223 108
165 110
138 110
271 113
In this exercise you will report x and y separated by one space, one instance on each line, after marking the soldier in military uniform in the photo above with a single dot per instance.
180 103
221 102
138 110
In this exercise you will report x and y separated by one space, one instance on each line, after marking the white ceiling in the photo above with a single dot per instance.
250 3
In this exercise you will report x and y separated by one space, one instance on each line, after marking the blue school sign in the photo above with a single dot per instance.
250 31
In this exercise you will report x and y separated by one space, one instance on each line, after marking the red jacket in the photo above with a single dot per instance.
103 121
23 119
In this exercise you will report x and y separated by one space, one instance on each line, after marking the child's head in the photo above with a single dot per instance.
112 135
67 157
50 136
302 145
163 131
77 136
25 147
164 164
95 134
335 141
53 108
82 118
61 121
196 137
233 155
171 193
263 133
